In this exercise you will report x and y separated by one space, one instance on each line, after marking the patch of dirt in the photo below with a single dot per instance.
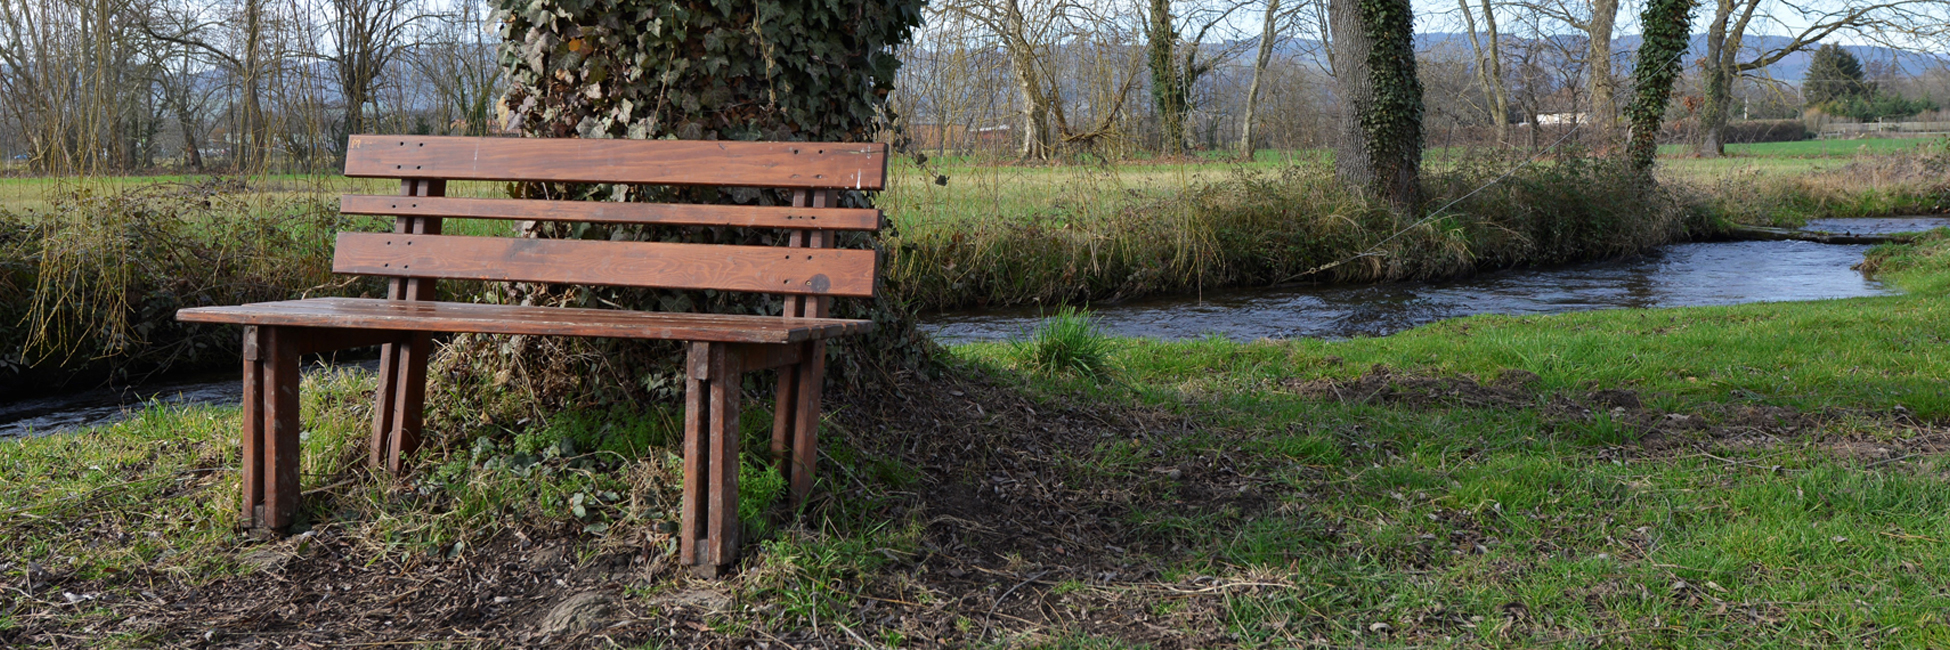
1653 431
1006 516
1383 385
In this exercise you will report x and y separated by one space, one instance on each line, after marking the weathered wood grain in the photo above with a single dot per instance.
854 166
767 269
429 316
740 216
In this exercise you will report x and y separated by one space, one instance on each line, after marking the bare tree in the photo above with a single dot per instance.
74 78
1895 23
1027 33
1268 34
1177 62
1595 18
458 61
366 35
1489 67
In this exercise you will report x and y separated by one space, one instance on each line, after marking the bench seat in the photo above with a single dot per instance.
430 316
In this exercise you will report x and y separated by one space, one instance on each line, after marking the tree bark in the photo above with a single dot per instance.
1039 133
1266 38
1665 24
1716 82
1598 80
253 148
1167 85
1380 149
1489 68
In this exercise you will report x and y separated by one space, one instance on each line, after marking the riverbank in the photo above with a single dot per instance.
90 272
1705 476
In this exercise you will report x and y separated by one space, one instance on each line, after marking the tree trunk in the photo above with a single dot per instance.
1380 149
1038 137
1167 85
783 81
249 156
1665 23
1038 142
1489 68
1602 88
191 155
1717 84
1266 38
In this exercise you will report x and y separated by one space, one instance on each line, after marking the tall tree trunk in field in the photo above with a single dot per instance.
1489 68
1038 103
1717 82
1598 80
251 150
1665 23
1167 85
1266 38
1380 149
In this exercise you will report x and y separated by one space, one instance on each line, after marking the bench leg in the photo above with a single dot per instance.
709 542
397 417
795 420
270 454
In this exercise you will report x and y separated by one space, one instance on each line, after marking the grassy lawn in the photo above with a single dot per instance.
1811 148
1750 476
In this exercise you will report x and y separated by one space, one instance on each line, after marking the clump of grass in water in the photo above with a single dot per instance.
1067 343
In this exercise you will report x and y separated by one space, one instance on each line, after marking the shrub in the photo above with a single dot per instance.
1767 131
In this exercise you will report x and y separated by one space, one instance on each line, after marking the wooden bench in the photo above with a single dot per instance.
806 271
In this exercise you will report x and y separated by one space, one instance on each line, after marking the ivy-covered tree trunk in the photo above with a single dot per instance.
789 70
1168 87
1665 41
1380 148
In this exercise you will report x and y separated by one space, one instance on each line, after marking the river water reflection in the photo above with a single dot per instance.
1682 275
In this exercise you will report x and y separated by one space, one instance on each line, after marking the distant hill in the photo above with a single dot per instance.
1790 69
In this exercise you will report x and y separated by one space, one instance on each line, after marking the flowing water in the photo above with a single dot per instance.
1682 275
1675 276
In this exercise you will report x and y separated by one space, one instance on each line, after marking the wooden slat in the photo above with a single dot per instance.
768 269
406 315
855 166
742 216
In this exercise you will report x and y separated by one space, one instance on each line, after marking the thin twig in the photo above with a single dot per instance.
856 637
986 620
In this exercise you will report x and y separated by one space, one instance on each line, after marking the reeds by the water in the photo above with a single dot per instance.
91 282
1291 224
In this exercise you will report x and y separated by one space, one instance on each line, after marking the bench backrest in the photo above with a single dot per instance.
806 270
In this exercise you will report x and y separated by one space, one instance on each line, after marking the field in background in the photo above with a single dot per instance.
981 188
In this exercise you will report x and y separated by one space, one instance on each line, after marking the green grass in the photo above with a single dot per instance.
1517 526
1378 524
1068 342
1811 148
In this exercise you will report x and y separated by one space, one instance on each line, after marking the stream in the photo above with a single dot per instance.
1681 275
